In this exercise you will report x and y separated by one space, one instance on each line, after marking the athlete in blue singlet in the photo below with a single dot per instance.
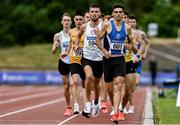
114 64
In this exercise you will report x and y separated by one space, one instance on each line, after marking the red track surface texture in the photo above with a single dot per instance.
46 105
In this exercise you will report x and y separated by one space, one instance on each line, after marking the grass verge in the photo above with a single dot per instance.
165 109
36 57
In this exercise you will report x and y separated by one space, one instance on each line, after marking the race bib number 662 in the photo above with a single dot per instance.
91 43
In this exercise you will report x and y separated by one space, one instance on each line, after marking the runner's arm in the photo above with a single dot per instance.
78 36
129 37
147 44
56 43
100 37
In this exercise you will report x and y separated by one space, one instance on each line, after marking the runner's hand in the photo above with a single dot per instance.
136 59
63 54
106 54
75 48
143 56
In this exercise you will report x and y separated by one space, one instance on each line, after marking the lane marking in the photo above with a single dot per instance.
68 119
26 90
33 107
29 97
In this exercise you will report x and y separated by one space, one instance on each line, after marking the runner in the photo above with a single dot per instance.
103 86
75 61
91 60
130 74
62 41
114 65
137 57
86 17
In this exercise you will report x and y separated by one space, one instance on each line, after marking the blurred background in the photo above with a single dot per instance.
27 28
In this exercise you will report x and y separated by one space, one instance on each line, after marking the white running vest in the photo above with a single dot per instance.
90 50
65 41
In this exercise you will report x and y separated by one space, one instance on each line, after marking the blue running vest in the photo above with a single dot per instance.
117 39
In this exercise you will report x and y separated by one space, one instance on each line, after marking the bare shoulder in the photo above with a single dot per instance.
83 27
57 36
143 34
128 27
106 23
107 26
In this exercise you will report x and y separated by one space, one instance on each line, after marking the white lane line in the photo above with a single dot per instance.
66 120
29 97
25 90
33 107
148 116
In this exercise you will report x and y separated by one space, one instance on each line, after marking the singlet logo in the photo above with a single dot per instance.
65 45
95 31
118 36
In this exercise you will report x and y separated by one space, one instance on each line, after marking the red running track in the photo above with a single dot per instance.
46 105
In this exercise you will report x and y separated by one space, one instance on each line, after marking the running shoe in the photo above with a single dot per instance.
104 105
68 111
95 110
87 110
76 108
112 112
131 109
114 118
105 111
121 116
125 111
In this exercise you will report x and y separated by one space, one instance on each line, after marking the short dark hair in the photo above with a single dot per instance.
79 13
102 15
126 13
94 6
132 17
119 5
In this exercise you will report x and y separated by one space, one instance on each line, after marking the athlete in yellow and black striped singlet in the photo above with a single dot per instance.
75 57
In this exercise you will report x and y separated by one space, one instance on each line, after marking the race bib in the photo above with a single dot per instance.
78 52
91 43
117 46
